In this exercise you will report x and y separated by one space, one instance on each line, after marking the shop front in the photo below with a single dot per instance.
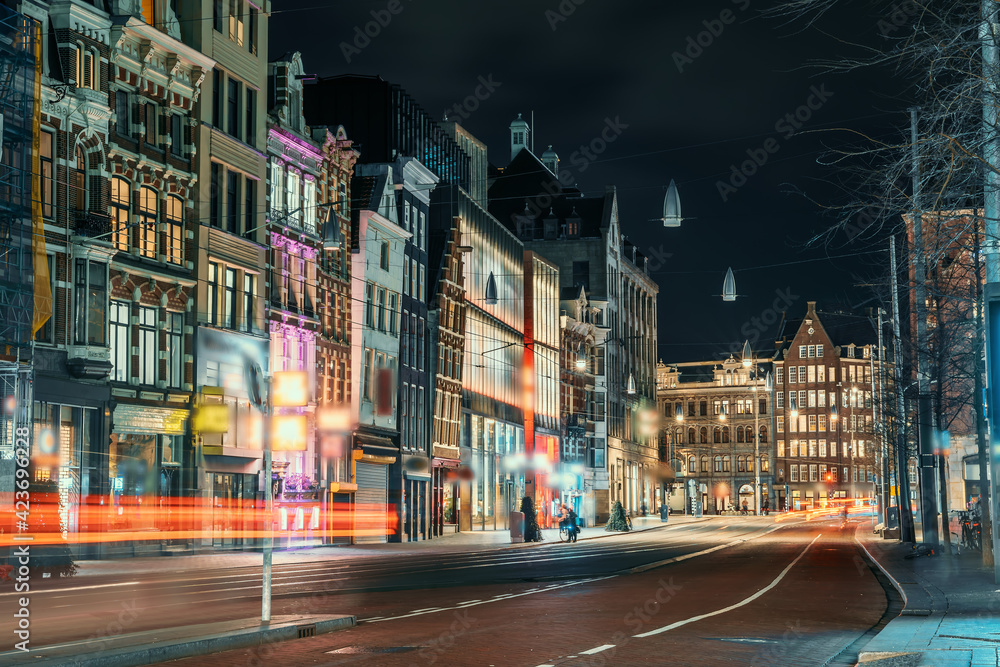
144 478
376 456
496 487
445 500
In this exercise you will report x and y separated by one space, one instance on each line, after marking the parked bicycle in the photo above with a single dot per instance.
972 531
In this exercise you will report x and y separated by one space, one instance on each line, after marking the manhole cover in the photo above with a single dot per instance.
375 649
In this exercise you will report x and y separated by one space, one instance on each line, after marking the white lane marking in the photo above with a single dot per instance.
677 559
746 601
417 611
75 588
592 651
546 665
469 602
497 599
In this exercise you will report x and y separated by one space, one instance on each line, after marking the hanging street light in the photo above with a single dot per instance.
747 355
729 286
672 207
630 387
679 413
581 359
491 290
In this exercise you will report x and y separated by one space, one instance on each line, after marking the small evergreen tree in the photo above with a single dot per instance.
617 521
531 530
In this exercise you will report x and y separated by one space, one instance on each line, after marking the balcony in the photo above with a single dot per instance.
90 224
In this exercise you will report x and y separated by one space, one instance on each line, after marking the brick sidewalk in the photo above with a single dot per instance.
951 614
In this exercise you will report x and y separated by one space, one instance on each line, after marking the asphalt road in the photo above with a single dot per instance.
737 592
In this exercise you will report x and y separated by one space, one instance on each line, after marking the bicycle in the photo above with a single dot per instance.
563 532
972 532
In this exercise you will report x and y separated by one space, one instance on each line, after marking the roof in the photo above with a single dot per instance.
842 328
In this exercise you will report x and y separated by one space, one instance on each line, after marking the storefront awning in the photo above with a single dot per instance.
417 476
374 442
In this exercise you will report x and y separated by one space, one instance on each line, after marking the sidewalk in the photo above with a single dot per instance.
951 613
456 542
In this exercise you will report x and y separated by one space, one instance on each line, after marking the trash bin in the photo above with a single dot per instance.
664 512
516 523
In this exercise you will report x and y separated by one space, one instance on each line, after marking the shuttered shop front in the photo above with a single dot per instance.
371 498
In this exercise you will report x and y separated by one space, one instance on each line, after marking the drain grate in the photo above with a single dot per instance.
371 650
307 630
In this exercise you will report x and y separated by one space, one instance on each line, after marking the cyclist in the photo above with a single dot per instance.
567 518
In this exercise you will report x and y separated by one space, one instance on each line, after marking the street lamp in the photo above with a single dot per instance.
581 359
749 359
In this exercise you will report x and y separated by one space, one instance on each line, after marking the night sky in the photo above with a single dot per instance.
616 60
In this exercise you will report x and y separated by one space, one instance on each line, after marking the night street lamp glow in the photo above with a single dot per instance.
729 286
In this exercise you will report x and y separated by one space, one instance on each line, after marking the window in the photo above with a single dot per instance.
120 344
821 373
393 300
147 345
215 202
779 374
177 135
45 333
703 435
218 15
78 183
802 374
718 464
149 120
822 447
120 197
811 373
250 130
147 222
780 424
821 397
370 306
175 350
814 472
812 351
229 299
293 196
384 256
794 470
122 120
47 175
233 202
793 375
91 283
812 423
218 86
249 317
780 399
250 223
213 293
802 351
420 288
819 350
763 433
381 309
175 229
252 30
232 108
236 21
822 423
811 396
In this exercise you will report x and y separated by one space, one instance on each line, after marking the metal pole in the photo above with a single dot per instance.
928 481
991 211
265 615
883 449
980 406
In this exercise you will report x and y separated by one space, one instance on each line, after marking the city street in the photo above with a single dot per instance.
750 598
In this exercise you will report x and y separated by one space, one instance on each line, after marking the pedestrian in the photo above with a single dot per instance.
745 508
766 507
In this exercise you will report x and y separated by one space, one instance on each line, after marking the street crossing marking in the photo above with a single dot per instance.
742 603
592 651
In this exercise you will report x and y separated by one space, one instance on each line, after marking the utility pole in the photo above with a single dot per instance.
906 532
880 428
928 483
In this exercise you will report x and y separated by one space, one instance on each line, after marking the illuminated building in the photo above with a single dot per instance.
582 237
825 390
231 257
712 440
308 186
376 284
547 481
580 413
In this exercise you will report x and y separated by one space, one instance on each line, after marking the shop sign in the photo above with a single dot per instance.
148 420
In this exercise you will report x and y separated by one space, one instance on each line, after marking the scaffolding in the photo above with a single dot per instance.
18 128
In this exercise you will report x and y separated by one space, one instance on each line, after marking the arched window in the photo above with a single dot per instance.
718 464
78 183
739 434
147 222
692 465
121 197
763 434
741 463
704 435
726 463
765 465
679 436
725 434
691 438
704 464
174 215
717 435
